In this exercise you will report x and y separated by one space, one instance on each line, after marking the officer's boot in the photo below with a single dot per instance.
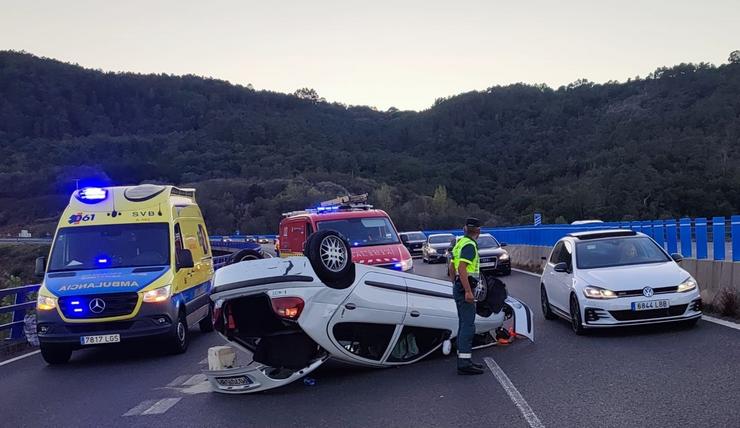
465 366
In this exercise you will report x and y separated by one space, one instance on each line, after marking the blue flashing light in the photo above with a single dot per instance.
91 195
75 302
102 261
78 310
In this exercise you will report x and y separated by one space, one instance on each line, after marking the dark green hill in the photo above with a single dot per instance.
664 146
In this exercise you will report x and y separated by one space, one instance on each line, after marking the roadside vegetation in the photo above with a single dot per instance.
661 146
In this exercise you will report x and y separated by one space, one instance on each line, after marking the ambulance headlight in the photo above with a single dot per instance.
157 295
44 303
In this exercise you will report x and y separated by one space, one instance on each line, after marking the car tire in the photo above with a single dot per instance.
244 256
331 258
546 309
55 353
206 324
575 316
179 339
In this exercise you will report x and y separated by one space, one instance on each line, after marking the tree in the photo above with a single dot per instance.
734 57
309 94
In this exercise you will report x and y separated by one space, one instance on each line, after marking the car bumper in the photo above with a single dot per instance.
152 320
618 312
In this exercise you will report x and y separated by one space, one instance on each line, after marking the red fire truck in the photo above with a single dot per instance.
370 232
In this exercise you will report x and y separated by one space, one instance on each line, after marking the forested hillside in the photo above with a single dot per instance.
666 145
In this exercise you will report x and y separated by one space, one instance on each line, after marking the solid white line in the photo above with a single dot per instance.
527 272
721 322
179 380
514 394
20 357
161 406
194 380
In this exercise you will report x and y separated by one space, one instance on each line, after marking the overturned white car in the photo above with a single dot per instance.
294 313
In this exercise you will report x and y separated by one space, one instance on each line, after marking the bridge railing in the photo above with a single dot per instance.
22 300
717 238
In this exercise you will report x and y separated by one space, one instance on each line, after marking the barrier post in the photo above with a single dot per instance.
735 230
718 237
700 227
670 231
686 237
16 332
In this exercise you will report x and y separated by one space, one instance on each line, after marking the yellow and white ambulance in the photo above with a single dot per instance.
126 263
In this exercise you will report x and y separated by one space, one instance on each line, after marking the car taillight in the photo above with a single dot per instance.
288 307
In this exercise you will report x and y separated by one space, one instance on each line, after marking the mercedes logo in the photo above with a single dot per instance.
97 305
647 292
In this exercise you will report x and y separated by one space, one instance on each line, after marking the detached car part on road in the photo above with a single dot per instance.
295 313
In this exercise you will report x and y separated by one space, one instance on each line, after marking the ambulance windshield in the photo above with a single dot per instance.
111 246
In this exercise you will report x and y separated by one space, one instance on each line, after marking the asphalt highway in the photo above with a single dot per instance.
652 376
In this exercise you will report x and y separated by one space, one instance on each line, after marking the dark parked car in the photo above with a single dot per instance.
413 241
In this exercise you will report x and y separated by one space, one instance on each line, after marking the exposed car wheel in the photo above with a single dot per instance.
180 338
546 310
55 353
575 316
206 324
331 258
244 256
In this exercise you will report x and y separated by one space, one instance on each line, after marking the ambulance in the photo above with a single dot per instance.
126 263
370 232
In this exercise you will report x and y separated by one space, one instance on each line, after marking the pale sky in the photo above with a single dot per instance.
379 53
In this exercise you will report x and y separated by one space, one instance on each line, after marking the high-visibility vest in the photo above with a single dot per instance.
473 266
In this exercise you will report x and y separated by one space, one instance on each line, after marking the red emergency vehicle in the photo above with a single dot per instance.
370 232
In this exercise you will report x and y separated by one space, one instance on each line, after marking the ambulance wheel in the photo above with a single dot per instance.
180 338
55 353
206 324
331 258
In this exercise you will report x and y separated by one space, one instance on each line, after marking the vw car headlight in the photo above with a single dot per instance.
157 295
592 292
44 303
687 285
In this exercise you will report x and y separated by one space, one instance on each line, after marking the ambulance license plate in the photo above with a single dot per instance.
100 339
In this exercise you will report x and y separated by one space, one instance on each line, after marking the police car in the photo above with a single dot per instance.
610 278
295 313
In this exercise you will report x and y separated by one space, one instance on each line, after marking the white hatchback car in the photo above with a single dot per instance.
612 278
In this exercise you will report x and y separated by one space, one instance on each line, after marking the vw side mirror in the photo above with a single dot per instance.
561 267
40 268
677 257
184 259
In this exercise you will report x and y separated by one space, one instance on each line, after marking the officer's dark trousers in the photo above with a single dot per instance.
466 328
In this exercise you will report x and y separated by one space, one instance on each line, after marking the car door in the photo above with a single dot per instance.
368 320
431 317
564 280
197 282
552 279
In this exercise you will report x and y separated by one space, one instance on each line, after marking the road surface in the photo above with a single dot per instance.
661 376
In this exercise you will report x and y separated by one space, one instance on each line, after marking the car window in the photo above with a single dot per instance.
555 255
487 241
566 254
202 239
364 339
440 239
363 232
619 252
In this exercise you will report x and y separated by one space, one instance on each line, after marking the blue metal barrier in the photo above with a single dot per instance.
671 236
700 230
735 234
686 237
718 237
18 308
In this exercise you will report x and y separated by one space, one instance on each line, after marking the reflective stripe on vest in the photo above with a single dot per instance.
473 267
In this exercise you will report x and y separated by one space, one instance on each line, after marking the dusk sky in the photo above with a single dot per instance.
378 53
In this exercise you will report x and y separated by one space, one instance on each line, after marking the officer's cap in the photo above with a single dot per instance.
472 222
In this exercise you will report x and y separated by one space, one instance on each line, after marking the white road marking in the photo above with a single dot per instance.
721 322
527 272
195 379
204 361
20 357
179 380
514 394
140 408
161 406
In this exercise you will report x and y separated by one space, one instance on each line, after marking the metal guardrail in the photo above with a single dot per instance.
18 308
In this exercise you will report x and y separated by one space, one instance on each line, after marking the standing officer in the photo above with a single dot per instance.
465 262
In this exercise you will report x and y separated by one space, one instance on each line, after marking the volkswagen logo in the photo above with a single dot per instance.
97 305
647 292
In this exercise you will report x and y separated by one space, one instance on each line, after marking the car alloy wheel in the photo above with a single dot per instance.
333 253
575 316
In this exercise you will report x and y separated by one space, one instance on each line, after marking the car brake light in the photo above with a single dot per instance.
288 307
